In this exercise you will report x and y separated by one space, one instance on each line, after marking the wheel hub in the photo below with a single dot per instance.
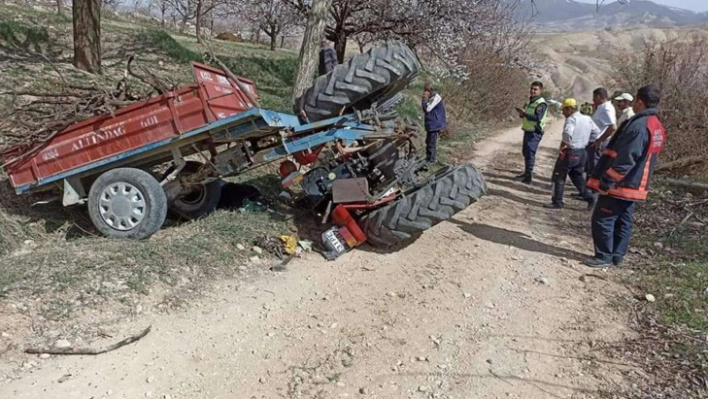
122 206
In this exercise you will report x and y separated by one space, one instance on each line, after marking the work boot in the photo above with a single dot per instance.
521 176
577 196
597 263
553 205
527 180
617 260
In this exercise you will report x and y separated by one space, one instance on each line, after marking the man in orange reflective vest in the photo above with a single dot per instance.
622 177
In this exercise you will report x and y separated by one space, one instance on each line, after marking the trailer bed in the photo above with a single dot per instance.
214 103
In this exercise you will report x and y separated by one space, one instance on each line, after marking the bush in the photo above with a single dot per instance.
23 36
680 68
490 94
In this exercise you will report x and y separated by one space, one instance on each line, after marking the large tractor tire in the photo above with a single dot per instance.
443 196
370 77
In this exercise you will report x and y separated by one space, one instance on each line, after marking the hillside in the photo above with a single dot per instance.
570 15
578 62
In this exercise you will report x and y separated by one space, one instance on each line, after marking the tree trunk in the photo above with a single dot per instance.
282 41
273 33
198 26
309 51
163 9
87 35
340 46
60 7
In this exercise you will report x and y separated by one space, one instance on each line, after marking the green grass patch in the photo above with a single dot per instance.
162 41
682 292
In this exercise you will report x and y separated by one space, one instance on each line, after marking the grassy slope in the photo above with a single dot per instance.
54 253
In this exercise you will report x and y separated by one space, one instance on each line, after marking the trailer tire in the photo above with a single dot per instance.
366 78
195 205
405 219
127 203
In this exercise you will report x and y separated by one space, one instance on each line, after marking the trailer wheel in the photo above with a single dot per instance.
127 203
201 202
366 78
405 219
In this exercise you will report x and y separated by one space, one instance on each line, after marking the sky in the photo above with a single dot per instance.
694 5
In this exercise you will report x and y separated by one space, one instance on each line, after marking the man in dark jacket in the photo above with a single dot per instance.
328 57
622 177
435 120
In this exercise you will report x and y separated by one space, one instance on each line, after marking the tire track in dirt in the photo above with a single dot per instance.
457 314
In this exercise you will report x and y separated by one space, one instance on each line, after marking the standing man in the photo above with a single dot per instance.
534 116
605 118
622 178
571 161
435 120
624 104
328 57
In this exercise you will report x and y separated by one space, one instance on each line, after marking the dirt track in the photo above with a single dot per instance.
458 314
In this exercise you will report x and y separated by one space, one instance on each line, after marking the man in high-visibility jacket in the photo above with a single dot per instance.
534 116
622 177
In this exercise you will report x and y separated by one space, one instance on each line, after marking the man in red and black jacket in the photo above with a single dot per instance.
622 177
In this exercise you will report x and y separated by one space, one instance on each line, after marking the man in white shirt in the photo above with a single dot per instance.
624 104
605 118
577 131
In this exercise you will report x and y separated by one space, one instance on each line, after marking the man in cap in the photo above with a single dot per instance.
571 161
622 178
624 105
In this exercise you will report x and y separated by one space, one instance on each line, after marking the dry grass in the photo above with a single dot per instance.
670 261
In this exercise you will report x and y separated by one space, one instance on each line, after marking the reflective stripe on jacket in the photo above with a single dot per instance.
627 164
533 122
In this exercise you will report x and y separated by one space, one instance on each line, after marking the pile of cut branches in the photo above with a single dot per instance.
35 117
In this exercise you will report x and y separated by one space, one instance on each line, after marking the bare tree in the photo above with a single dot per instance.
162 7
273 17
60 7
307 62
87 35
195 10
109 4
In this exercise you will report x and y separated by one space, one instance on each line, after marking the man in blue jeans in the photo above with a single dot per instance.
435 120
534 116
622 177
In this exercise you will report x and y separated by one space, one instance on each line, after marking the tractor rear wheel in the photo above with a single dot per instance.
366 78
443 196
201 201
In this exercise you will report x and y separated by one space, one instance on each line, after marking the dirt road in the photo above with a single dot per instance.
488 305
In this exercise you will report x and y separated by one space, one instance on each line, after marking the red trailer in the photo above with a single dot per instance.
131 131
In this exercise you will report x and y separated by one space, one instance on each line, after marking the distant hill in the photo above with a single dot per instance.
569 15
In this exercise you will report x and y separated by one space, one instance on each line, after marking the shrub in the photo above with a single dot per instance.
680 68
493 89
